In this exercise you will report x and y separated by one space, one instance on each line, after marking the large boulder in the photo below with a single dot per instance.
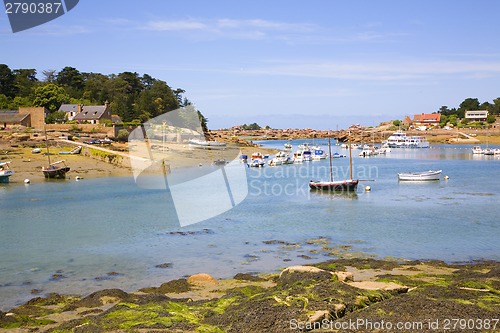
202 280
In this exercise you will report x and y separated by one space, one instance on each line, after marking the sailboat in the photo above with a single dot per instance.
348 185
56 169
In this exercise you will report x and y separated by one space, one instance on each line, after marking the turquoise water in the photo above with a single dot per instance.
78 237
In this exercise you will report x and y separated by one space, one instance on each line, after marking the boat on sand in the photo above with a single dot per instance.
5 172
56 170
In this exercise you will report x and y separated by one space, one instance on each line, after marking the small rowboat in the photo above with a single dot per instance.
420 176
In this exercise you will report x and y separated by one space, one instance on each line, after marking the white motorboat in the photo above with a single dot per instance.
416 142
399 139
477 150
275 161
384 149
420 176
298 157
319 154
307 155
5 172
280 158
257 160
367 151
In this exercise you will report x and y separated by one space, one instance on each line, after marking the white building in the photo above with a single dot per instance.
476 115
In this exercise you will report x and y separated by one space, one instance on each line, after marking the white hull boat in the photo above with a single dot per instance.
5 172
420 176
201 144
477 150
399 139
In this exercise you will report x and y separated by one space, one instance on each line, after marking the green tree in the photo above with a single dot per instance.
147 81
178 95
7 84
495 108
396 123
453 119
470 104
72 81
156 100
4 102
97 88
57 117
491 118
444 120
25 81
134 84
50 96
19 101
444 110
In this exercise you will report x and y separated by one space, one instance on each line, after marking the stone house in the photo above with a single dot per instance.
71 110
427 119
93 114
26 116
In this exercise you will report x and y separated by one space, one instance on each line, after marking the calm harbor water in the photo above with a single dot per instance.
79 237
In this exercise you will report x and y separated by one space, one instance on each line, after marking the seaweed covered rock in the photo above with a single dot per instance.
304 274
102 297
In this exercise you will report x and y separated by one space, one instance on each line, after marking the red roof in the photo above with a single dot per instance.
427 118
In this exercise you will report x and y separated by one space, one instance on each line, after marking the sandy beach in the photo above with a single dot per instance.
99 161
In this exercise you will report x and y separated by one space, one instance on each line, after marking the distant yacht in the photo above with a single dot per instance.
399 139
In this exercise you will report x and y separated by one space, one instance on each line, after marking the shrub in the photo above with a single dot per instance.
122 135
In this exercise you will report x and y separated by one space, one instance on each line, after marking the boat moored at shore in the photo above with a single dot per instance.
5 172
202 144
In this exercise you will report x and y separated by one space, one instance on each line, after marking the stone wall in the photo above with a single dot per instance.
37 115
87 128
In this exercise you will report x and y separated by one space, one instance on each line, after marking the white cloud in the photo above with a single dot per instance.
251 29
392 71
176 25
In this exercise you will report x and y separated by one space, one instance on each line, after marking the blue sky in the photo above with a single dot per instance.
317 64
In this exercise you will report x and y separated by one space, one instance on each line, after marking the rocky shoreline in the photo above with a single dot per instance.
355 134
348 295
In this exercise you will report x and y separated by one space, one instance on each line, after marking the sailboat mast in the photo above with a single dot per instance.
330 155
350 160
46 141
